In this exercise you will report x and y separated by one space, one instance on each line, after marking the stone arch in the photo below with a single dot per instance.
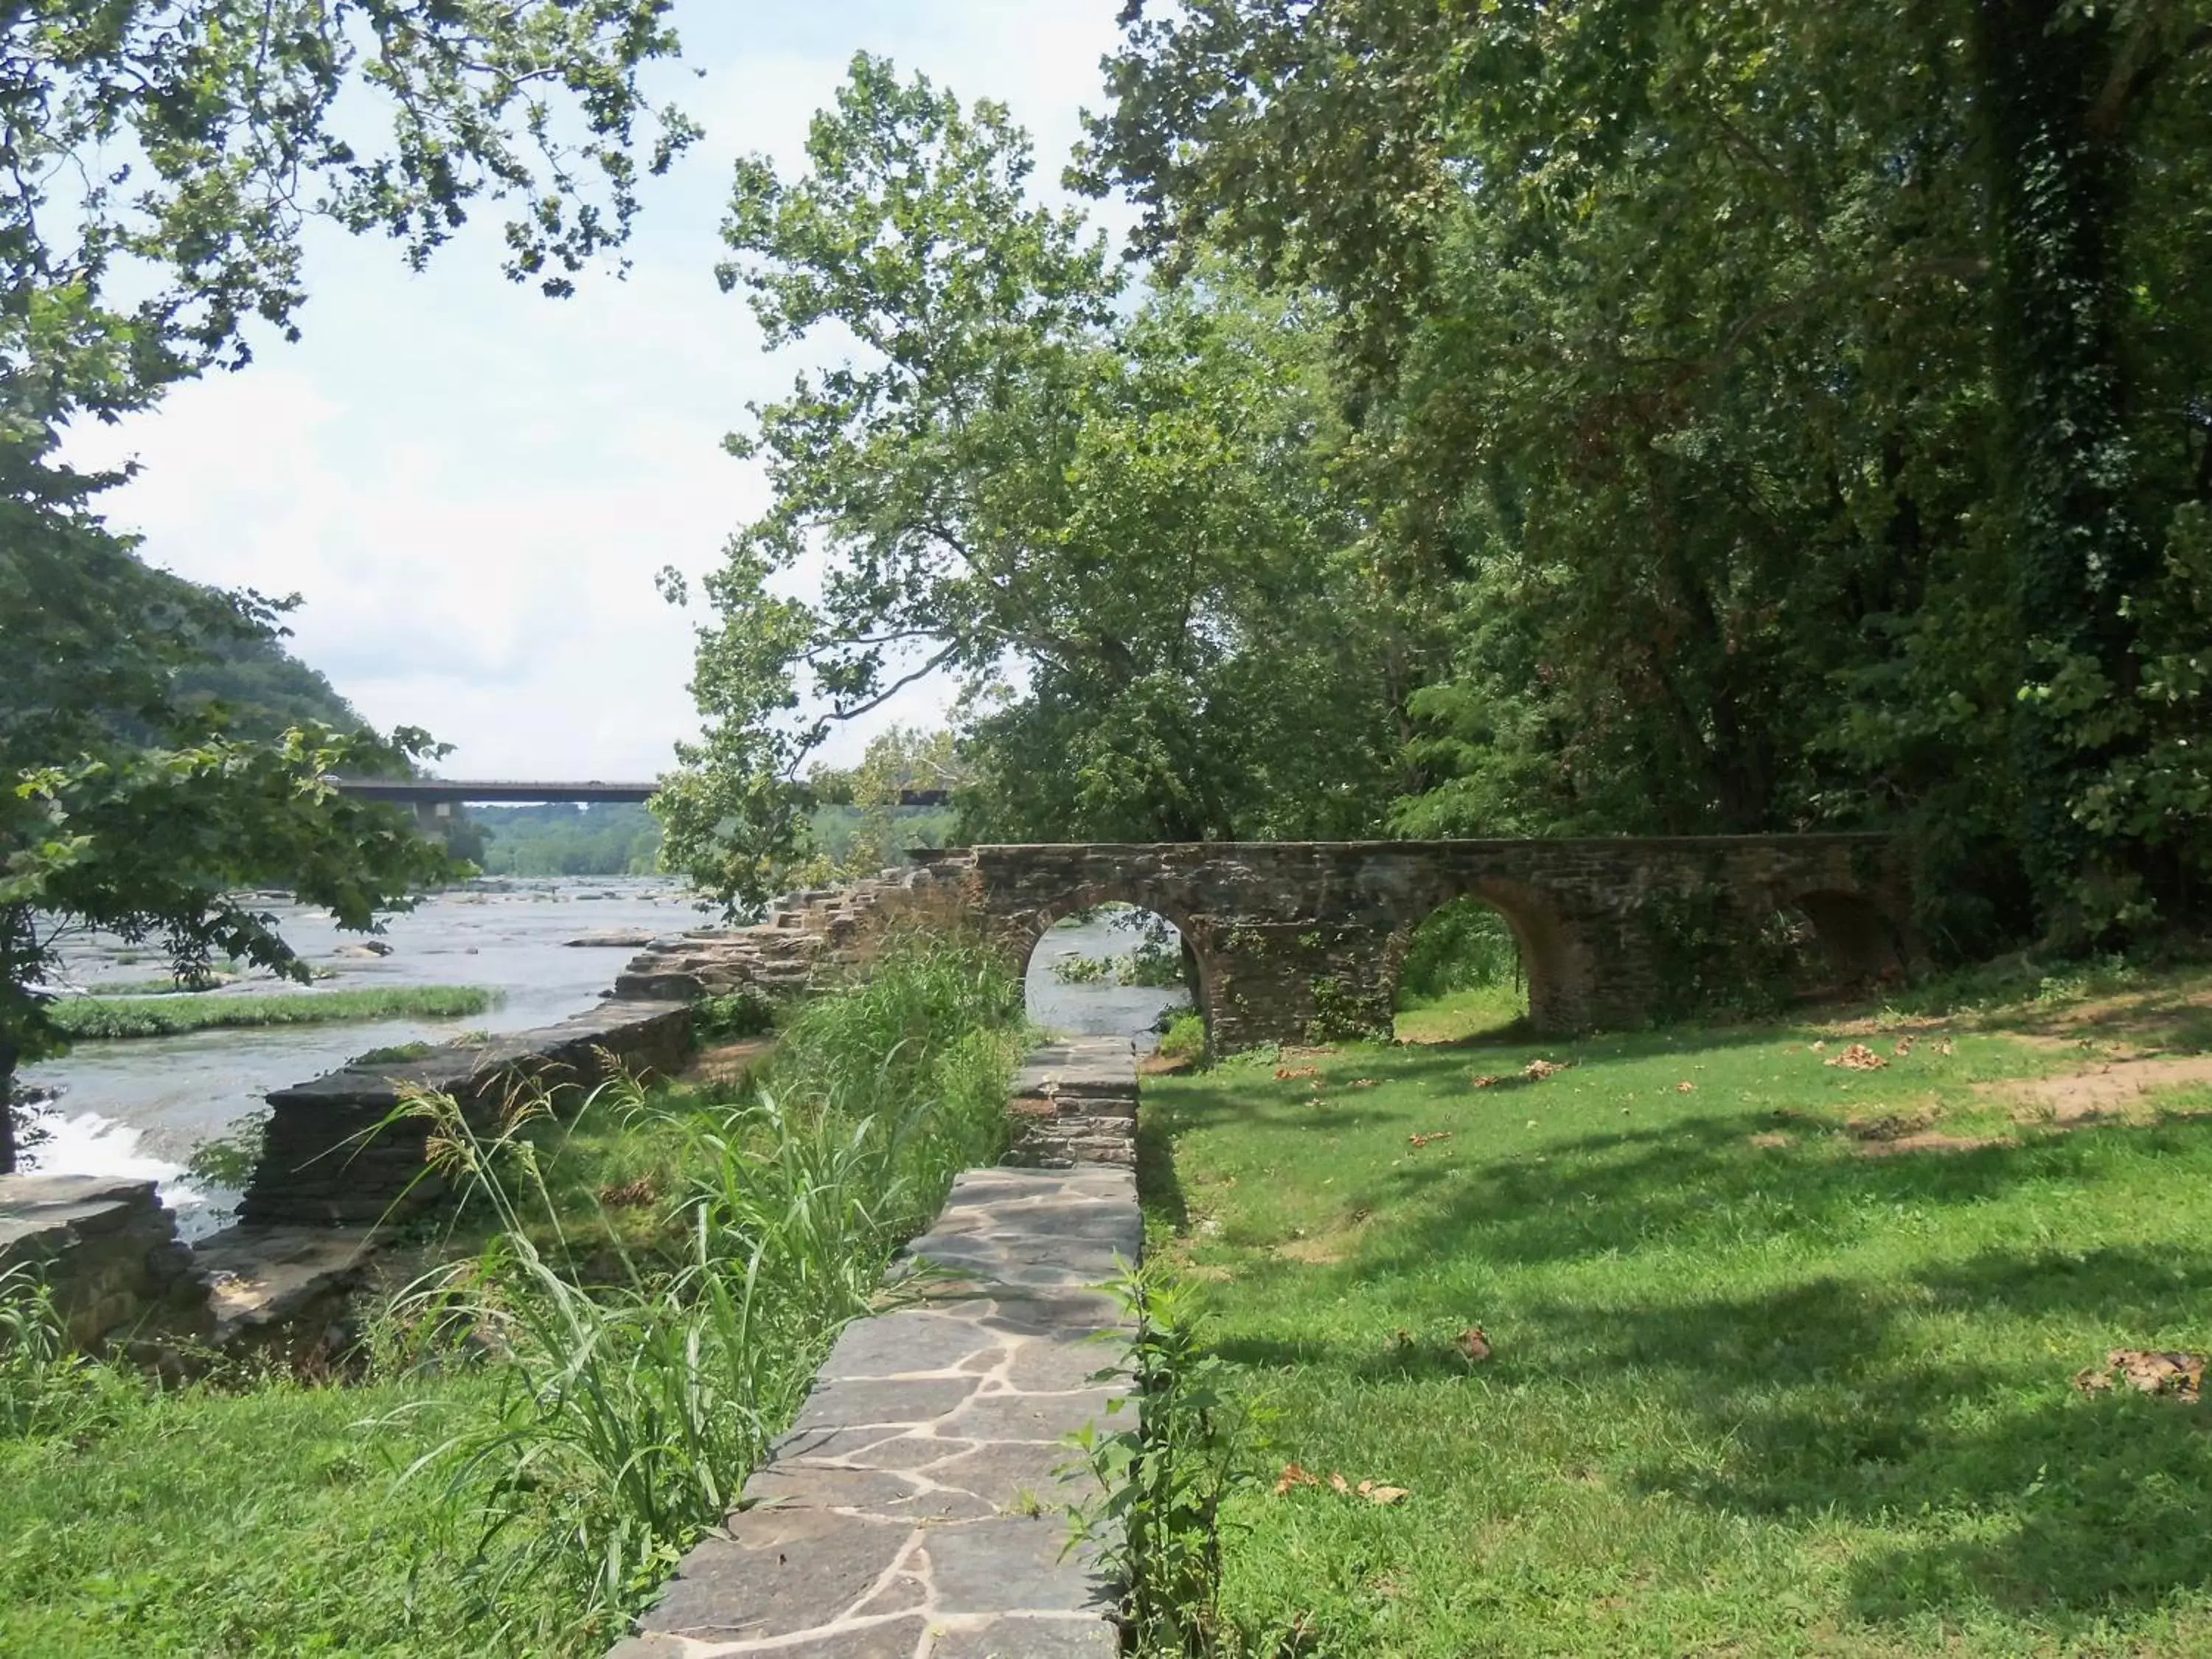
1551 956
1855 932
1020 934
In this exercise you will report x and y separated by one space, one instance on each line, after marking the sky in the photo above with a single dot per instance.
472 486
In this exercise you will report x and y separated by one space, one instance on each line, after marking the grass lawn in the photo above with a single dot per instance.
1782 1350
91 1019
265 1523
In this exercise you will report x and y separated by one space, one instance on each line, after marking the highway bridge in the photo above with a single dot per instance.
415 791
434 798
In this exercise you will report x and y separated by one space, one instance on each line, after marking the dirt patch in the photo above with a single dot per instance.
2105 1091
1772 1140
1325 1249
1930 1141
2133 1024
1912 1025
1157 1064
729 1062
1890 1126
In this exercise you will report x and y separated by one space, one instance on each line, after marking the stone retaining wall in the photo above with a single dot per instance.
1075 1102
108 1250
326 1162
917 1508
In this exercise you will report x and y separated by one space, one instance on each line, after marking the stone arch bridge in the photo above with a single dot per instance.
1289 941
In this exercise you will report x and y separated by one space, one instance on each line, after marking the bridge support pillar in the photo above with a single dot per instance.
1292 983
431 818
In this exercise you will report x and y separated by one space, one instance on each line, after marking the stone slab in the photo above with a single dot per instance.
261 1277
107 1251
918 1507
39 1214
1080 1066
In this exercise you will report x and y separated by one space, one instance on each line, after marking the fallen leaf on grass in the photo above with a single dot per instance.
2179 1375
1686 1087
1284 1074
1362 1083
1475 1343
1433 1135
1534 1072
1373 1491
1858 1058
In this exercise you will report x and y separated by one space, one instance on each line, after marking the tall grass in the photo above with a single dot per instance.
44 1389
631 1413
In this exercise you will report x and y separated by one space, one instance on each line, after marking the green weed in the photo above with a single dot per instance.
630 1410
1185 1037
1155 1526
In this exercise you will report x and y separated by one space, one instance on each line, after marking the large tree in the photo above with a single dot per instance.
1106 514
1803 407
162 158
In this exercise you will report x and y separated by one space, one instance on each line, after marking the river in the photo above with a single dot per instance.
139 1108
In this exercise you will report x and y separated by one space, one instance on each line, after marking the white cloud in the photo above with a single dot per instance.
472 488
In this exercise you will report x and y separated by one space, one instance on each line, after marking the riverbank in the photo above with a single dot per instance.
142 1108
662 1275
1781 1338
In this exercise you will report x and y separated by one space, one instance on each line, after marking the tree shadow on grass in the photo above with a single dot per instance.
1861 1397
2084 1506
2080 1503
1687 1182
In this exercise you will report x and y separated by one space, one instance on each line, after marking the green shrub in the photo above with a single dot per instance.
1185 1038
733 1017
1156 1522
46 1391
394 1054
1084 970
229 1160
1463 946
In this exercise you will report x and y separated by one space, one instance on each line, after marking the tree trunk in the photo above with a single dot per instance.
7 1107
2057 183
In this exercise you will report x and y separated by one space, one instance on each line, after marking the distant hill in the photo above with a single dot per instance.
266 689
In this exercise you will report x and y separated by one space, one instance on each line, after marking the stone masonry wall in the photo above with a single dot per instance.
326 1162
1302 940
1299 940
108 1250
